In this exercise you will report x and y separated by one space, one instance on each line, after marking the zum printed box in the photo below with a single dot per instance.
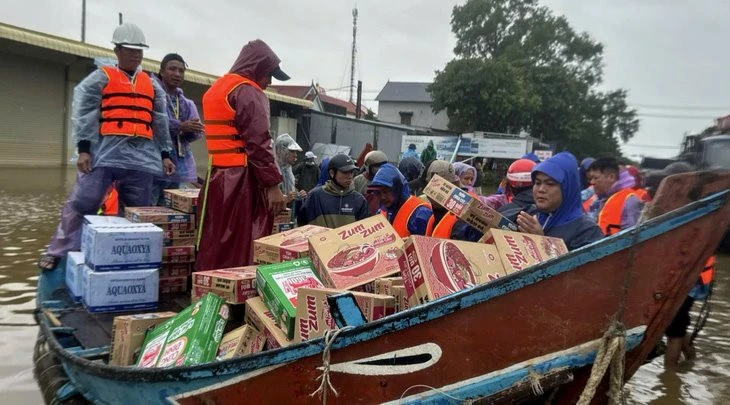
433 267
178 254
469 209
241 341
356 254
184 199
158 215
128 333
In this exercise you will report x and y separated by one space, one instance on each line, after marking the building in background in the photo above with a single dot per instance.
319 98
408 103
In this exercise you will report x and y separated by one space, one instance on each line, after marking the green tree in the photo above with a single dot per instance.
519 67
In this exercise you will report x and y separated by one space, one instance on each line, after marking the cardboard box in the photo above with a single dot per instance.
177 226
180 234
74 274
191 337
285 246
283 218
158 215
176 269
521 250
356 254
124 290
434 267
178 254
173 284
278 284
468 208
313 317
122 246
283 227
128 333
241 342
401 298
260 317
100 220
178 242
184 199
234 285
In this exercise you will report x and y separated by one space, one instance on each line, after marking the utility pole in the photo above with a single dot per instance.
358 106
83 20
121 19
354 50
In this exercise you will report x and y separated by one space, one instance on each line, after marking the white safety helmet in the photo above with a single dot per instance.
130 36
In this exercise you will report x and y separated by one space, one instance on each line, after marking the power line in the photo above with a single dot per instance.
680 107
678 117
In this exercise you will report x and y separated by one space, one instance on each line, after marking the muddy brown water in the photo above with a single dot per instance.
30 200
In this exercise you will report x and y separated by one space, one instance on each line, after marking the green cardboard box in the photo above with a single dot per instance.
278 285
191 337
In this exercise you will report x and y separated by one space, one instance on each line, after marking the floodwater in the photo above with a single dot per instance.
30 200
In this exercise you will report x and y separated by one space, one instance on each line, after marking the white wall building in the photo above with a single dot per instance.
409 103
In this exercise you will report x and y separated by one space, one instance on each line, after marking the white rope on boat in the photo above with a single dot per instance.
325 384
611 352
461 400
535 382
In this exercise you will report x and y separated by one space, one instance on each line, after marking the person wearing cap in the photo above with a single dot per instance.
373 160
336 203
286 149
307 172
408 214
556 189
120 129
241 194
616 206
184 123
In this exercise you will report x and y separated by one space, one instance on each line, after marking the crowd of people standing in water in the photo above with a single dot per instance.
133 132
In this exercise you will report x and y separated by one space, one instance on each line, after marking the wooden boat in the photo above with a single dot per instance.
505 341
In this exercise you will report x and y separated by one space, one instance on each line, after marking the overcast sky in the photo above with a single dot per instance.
671 55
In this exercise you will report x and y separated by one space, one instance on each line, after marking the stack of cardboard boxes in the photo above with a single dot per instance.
117 268
179 237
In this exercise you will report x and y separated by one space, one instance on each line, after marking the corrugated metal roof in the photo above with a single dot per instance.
68 46
405 92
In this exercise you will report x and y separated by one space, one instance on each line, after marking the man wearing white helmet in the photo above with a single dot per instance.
373 160
121 131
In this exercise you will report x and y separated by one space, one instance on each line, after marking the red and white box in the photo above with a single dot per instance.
519 250
434 267
285 246
356 254
234 285
258 315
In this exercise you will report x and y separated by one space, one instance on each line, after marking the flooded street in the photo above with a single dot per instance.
29 206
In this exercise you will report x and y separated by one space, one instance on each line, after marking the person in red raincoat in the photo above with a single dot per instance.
241 193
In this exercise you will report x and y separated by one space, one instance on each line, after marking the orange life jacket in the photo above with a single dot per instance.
225 145
110 206
126 106
708 273
609 219
642 194
443 228
587 203
400 222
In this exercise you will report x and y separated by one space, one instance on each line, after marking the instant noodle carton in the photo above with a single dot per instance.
176 269
465 206
282 221
160 215
184 199
401 298
74 274
313 312
278 283
394 287
129 246
178 254
260 317
356 254
125 290
174 284
241 341
128 333
434 267
284 246
521 250
178 242
191 337
234 285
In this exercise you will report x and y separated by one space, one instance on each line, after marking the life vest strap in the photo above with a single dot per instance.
231 137
130 95
223 151
133 120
